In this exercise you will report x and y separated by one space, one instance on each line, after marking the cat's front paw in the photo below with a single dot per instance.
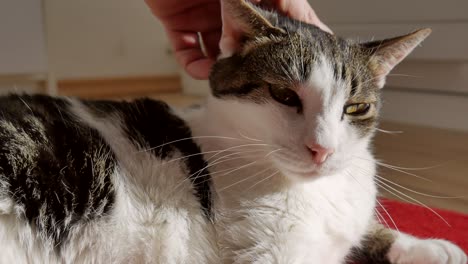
410 250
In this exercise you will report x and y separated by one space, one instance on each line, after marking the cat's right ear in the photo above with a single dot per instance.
386 54
241 21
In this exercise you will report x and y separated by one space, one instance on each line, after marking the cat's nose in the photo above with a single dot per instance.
320 153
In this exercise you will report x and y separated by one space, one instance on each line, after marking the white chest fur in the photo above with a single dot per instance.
269 218
314 222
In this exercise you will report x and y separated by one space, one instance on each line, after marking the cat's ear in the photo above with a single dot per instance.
386 54
241 21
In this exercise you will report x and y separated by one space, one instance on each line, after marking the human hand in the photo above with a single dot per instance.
184 19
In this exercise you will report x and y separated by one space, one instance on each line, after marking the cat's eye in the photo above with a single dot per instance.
360 109
285 96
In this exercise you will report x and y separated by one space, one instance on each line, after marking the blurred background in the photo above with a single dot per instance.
116 49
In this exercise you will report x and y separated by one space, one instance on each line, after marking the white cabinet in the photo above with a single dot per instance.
367 19
431 86
22 42
396 11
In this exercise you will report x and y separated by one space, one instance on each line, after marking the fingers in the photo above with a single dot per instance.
200 68
311 17
198 18
211 42
297 9
182 20
189 54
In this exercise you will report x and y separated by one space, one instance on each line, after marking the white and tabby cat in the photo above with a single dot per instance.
274 168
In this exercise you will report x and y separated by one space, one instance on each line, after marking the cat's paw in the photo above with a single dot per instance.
410 250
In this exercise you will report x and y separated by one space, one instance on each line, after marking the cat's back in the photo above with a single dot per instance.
93 180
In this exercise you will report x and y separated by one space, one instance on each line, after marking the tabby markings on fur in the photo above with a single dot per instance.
275 167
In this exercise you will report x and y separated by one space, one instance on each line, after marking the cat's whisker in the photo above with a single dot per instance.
228 155
370 80
393 193
215 162
387 187
396 169
27 106
240 168
188 138
263 180
362 68
286 70
419 193
380 218
216 173
400 75
273 152
245 179
416 168
385 210
388 214
405 75
414 191
301 49
249 138
251 163
299 65
268 209
390 166
239 146
380 177
221 160
202 153
388 131
399 194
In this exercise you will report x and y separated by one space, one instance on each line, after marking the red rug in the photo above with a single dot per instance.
421 222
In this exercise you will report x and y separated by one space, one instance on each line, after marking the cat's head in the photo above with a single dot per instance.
311 94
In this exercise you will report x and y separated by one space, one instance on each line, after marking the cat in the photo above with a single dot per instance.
275 167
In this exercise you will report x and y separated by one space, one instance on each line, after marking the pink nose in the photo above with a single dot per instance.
320 153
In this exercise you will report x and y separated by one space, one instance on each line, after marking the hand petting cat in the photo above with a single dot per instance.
183 20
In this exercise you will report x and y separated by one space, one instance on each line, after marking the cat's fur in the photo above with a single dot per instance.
233 181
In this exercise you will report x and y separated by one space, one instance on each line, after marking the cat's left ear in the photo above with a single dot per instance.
386 54
241 21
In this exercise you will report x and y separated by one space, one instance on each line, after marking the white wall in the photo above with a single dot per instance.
109 38
105 38
434 88
22 39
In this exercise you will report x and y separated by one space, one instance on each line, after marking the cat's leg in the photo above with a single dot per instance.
383 245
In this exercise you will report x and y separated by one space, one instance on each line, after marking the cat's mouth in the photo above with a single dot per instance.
302 165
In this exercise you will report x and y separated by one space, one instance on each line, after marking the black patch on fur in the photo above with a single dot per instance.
373 252
245 89
374 247
343 72
57 169
150 124
362 257
335 70
354 85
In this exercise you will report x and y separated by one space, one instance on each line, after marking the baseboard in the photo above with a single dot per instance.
119 87
425 108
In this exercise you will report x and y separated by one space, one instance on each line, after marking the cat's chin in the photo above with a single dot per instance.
299 169
308 175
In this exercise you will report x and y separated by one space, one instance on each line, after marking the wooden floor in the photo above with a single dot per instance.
435 162
438 160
